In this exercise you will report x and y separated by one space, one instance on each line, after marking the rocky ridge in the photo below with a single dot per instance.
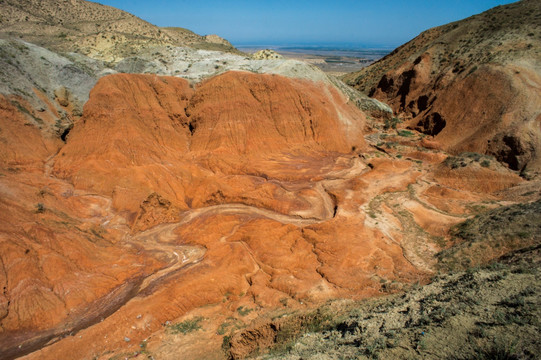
53 88
266 54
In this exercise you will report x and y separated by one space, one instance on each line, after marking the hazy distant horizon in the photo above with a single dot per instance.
323 51
368 24
320 46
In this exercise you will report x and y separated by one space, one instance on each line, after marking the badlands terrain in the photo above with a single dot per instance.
165 196
473 84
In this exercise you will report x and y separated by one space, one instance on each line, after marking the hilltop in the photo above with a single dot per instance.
98 31
473 84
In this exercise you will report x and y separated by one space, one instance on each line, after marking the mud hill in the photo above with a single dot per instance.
175 200
92 29
474 84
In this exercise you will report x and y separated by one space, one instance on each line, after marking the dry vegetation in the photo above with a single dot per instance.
505 32
489 312
98 31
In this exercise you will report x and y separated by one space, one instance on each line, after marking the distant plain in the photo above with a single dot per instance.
334 60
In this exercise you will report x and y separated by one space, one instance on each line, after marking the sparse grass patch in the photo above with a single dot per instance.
391 123
516 300
497 349
229 325
226 345
243 311
186 326
466 158
473 69
507 228
376 345
405 133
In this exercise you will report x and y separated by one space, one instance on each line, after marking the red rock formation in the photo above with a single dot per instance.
140 133
21 144
252 114
170 201
249 154
60 269
133 125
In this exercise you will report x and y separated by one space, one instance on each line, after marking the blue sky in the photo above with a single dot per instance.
366 23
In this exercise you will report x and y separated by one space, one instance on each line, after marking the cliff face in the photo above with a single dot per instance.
474 84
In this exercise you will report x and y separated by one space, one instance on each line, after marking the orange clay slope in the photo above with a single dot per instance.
248 191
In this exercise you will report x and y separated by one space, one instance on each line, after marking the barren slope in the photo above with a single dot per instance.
92 29
474 84
485 313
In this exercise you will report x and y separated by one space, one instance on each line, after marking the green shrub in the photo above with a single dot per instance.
226 345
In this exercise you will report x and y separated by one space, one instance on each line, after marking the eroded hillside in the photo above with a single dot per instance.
247 191
474 84
144 215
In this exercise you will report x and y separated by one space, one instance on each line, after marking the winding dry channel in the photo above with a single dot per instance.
163 239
